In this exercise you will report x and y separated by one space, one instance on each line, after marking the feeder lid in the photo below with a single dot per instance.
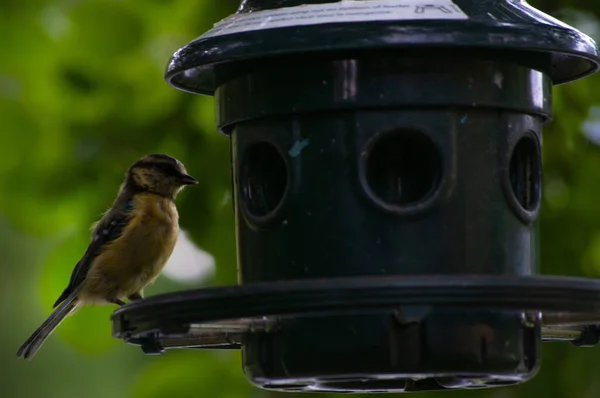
263 29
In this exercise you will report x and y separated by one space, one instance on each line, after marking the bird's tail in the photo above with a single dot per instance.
35 341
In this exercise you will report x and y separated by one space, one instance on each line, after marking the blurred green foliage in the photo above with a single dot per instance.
82 95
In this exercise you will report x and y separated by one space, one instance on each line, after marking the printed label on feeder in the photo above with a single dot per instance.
342 11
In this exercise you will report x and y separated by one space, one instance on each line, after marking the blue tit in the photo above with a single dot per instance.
130 244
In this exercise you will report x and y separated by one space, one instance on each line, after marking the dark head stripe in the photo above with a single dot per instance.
157 159
160 157
168 169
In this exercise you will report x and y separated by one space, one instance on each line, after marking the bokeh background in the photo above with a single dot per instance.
82 95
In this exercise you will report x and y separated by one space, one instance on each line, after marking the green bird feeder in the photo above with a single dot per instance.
386 160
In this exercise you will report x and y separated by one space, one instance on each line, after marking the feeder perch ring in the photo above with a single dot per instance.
565 308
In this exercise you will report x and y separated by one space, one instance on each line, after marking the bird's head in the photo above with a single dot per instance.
159 174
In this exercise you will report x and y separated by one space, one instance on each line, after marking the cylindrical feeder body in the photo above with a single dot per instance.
407 178
386 147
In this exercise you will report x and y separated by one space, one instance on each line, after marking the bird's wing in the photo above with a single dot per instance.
107 230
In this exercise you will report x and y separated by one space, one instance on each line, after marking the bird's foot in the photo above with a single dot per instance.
117 302
135 296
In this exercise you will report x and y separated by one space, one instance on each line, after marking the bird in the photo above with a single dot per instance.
129 245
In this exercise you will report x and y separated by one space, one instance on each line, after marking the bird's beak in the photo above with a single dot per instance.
187 179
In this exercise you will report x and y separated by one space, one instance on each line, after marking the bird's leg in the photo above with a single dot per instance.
117 302
135 296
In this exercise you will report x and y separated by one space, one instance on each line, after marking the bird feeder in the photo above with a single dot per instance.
386 160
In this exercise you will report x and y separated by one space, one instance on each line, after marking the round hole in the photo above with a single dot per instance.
403 167
525 173
263 179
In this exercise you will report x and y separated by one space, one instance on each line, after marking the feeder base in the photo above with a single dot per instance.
374 334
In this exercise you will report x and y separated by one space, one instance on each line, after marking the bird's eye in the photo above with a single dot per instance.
173 171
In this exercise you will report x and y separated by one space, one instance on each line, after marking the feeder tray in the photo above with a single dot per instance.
566 309
556 308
